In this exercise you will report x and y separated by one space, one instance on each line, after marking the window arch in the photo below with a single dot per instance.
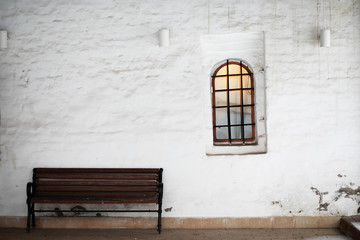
233 103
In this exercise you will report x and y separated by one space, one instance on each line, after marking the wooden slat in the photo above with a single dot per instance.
94 183
94 200
97 170
97 176
85 195
96 189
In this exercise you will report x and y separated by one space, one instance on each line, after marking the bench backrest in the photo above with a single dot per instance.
122 185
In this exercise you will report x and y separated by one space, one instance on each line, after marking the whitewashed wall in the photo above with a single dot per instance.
84 84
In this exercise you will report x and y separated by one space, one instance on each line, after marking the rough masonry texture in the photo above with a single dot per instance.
85 84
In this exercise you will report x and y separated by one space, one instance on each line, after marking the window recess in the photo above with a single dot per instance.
233 104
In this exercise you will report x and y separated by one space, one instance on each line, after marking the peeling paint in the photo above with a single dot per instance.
277 203
168 209
323 206
349 191
290 211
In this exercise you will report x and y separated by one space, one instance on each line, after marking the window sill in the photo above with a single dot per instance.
259 148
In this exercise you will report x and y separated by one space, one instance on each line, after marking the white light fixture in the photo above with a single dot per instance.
324 16
164 39
3 39
325 38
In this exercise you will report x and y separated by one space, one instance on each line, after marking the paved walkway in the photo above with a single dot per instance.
172 234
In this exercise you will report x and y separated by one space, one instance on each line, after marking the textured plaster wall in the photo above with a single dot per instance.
84 84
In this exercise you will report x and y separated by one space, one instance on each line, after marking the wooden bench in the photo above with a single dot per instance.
95 186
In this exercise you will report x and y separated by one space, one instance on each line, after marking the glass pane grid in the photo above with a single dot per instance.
235 98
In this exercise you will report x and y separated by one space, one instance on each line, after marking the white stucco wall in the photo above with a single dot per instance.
85 84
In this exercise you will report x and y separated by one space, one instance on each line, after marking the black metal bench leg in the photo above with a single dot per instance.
28 218
159 223
161 186
33 215
159 219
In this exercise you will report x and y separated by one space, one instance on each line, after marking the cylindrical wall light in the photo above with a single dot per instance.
325 38
3 39
164 37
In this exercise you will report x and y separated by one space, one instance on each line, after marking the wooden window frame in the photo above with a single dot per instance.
230 140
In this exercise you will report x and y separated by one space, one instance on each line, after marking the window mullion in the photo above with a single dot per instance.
228 99
242 104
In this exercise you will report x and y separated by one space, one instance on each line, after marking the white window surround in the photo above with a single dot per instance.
249 48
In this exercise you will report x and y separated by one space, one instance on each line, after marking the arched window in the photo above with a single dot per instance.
233 103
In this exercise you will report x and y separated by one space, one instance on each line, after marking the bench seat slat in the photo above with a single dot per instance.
94 183
94 200
98 170
97 176
96 189
94 194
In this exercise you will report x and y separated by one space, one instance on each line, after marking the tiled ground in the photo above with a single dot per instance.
171 234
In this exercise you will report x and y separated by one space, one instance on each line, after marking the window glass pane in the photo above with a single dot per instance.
244 71
235 98
220 83
247 116
222 71
220 98
248 131
246 81
247 97
235 132
234 82
221 116
234 69
235 115
222 133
